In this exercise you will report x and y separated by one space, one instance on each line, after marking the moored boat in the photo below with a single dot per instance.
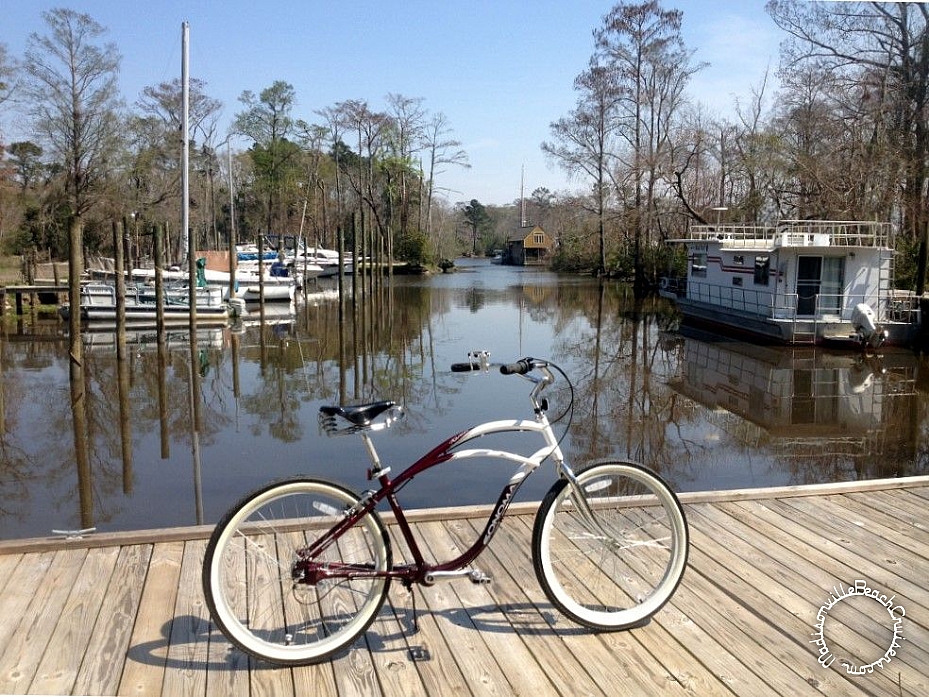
799 282
323 262
276 288
98 304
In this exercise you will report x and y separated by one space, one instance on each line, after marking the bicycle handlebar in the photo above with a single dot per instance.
479 362
520 367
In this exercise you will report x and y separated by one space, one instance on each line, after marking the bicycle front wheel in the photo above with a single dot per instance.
611 560
256 592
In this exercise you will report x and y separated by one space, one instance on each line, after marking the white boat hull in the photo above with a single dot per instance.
98 305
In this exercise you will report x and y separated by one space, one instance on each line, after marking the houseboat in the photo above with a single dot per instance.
798 282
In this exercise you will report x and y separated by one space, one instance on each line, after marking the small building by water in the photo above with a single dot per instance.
528 246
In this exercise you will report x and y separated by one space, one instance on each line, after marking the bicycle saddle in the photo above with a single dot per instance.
358 414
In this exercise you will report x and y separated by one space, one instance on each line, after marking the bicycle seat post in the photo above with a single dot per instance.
377 469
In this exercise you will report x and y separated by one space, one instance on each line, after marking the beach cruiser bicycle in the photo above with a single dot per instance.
299 569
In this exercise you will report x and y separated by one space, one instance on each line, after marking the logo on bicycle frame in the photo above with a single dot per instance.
860 588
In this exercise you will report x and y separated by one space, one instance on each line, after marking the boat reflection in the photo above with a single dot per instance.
804 404
269 315
138 340
172 433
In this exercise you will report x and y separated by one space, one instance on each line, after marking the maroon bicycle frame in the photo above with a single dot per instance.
306 570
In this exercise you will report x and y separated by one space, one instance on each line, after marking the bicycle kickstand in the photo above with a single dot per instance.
417 653
410 587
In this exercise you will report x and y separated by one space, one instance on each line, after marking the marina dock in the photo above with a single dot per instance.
124 613
34 291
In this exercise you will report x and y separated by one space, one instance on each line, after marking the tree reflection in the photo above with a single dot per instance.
630 373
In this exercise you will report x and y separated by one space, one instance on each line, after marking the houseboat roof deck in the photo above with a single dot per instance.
795 233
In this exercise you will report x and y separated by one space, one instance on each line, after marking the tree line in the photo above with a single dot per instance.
845 136
368 174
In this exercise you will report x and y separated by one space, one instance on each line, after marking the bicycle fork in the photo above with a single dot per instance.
579 499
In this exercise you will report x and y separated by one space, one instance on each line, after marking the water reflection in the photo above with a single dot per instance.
821 416
177 430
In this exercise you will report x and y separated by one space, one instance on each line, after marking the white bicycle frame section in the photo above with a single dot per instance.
527 464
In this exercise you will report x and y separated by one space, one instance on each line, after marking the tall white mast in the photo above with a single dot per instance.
185 157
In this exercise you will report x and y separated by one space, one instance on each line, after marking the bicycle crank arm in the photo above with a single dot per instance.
473 575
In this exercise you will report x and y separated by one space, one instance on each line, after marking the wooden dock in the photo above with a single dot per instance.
33 291
124 613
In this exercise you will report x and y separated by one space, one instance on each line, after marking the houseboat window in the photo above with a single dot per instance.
762 270
698 265
738 259
736 280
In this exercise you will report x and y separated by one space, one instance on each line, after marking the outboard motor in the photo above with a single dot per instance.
870 333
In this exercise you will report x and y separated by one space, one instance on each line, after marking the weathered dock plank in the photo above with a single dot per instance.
474 608
189 633
470 651
613 662
63 656
146 661
780 606
124 614
23 651
29 571
110 641
782 549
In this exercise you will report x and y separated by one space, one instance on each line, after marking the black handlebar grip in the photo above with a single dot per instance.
465 367
520 367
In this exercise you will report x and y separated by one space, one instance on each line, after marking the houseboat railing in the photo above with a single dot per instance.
797 233
900 306
732 297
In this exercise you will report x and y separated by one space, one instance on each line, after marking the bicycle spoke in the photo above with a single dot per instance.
249 573
612 559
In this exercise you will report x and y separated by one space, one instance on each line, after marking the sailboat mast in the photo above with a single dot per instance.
185 156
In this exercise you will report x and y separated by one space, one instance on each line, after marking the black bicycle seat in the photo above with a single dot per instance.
358 414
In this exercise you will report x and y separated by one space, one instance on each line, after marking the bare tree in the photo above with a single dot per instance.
7 83
165 102
584 142
405 139
7 74
71 94
642 45
753 156
877 53
370 129
442 150
155 170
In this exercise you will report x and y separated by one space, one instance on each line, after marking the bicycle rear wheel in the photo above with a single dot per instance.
248 572
613 560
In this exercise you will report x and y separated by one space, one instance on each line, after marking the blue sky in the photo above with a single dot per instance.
500 71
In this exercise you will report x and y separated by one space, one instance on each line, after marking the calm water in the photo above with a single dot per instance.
706 413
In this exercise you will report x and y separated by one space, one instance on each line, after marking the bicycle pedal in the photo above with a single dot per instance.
479 578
